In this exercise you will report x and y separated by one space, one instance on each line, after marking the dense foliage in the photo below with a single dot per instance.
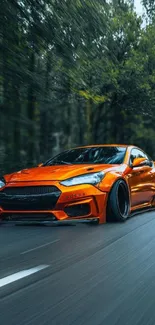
72 73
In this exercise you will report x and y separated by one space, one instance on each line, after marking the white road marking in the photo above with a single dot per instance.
22 274
44 245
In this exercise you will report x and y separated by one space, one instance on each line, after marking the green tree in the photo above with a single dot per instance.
77 71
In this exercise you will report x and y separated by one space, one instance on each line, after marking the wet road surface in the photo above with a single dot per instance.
79 275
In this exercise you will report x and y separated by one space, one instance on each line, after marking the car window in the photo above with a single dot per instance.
137 153
90 155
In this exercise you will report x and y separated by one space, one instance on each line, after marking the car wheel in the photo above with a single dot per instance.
119 202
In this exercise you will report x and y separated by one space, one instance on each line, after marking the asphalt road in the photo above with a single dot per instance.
79 275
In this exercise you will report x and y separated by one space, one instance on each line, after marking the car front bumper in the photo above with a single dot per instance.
84 203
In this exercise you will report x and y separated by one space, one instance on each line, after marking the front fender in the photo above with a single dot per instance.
109 180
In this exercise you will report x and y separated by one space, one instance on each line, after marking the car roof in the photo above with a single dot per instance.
104 145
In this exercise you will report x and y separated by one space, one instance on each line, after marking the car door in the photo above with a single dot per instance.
140 180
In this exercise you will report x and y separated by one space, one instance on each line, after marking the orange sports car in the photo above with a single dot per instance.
85 184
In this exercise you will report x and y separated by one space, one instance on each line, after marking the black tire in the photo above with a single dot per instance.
118 202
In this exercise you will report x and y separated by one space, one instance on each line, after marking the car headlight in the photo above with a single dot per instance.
2 182
91 178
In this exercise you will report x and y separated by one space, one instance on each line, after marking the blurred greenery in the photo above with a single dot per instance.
74 72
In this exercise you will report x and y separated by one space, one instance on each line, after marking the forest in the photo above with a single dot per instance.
74 72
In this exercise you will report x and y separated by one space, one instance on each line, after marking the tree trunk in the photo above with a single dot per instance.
89 111
45 116
31 111
16 127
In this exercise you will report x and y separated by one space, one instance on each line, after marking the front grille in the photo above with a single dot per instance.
29 190
29 198
78 210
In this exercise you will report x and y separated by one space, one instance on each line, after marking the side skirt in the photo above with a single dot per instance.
140 211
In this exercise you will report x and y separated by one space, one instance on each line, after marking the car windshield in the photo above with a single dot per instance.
89 155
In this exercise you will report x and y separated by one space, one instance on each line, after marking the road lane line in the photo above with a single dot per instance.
35 248
22 274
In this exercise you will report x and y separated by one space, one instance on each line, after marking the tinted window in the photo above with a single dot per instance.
93 155
136 153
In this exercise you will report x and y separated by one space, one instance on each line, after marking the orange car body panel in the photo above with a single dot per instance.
140 182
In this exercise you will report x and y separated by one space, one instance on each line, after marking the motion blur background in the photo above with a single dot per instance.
74 72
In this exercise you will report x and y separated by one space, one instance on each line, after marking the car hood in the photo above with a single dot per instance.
58 173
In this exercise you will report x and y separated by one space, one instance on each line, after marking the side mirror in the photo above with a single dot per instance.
40 165
139 162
